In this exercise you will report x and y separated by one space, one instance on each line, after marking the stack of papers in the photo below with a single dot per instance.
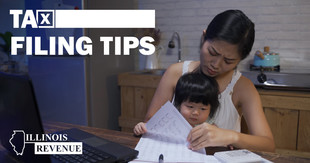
167 132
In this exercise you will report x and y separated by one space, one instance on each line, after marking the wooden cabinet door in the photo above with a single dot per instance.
283 124
304 131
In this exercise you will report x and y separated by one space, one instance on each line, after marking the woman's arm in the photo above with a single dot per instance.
260 137
165 89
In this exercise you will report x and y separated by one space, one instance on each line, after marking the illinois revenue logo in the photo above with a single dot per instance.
44 143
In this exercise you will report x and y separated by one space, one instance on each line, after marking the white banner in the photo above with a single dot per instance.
58 148
105 18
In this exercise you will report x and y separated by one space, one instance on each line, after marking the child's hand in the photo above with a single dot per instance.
140 129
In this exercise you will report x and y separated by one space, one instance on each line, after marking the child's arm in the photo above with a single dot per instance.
140 129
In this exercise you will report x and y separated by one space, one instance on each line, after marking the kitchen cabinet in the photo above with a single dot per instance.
136 94
287 112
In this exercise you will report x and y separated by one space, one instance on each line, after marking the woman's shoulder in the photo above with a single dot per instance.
177 68
244 84
244 88
175 71
244 92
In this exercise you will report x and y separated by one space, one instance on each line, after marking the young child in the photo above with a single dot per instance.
196 97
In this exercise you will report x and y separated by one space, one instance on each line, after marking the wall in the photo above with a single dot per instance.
7 19
7 25
105 104
284 25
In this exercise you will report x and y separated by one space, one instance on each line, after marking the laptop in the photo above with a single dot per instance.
19 112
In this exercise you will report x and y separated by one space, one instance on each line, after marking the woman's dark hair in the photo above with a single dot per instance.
198 88
234 27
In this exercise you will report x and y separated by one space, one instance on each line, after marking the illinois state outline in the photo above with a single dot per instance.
18 141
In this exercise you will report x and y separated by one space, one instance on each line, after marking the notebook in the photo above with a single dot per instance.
19 116
239 156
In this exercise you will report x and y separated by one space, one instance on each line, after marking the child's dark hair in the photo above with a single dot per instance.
198 88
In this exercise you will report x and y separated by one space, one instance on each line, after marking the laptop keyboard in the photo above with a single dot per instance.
90 155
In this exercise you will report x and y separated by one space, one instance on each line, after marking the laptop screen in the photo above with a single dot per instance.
18 111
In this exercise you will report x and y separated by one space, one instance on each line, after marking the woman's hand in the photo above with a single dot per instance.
140 129
206 135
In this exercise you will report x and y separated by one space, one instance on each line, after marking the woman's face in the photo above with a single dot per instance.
218 57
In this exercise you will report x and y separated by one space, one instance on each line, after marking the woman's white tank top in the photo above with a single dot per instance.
227 116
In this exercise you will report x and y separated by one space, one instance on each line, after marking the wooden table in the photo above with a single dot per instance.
129 140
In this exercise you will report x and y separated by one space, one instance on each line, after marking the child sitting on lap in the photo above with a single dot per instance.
196 97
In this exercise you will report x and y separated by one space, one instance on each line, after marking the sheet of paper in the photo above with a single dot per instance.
207 159
167 133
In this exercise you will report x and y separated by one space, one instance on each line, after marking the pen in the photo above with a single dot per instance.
161 158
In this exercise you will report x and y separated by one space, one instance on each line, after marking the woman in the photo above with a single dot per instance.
228 39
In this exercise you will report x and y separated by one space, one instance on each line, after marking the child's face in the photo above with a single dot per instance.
195 113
